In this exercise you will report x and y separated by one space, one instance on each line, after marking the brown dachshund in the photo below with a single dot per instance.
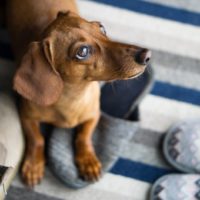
60 58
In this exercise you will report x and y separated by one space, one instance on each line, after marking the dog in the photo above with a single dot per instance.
60 58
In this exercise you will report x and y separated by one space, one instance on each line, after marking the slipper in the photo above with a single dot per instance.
121 98
176 187
109 138
182 146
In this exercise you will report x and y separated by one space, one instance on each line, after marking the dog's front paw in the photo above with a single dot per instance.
32 171
89 166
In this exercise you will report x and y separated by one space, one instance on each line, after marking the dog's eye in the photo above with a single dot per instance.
83 53
102 29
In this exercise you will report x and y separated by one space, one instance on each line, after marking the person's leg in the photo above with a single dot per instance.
11 140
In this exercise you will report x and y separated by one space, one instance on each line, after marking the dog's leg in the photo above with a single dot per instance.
34 161
85 157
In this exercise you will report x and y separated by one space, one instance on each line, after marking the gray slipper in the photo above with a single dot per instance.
111 133
109 139
182 146
176 187
121 98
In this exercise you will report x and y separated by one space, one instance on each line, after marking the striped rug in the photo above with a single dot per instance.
172 30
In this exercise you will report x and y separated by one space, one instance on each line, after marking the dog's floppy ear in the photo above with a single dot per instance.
37 79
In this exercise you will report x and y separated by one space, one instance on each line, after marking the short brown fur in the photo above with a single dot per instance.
56 87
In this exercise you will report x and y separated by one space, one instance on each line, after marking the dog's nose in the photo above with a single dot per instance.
143 56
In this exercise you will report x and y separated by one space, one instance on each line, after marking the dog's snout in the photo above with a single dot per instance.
143 56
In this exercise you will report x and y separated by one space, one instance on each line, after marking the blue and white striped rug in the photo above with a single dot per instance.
172 30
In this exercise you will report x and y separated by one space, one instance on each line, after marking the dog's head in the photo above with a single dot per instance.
74 50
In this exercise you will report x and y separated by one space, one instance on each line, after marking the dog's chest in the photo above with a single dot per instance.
70 111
